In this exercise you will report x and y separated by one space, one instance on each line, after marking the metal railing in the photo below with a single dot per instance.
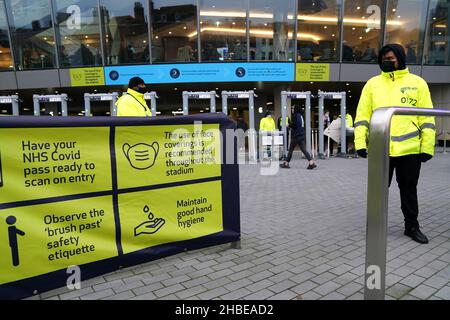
378 194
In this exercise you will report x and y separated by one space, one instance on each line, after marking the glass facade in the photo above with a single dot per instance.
438 50
5 47
78 33
32 33
125 31
318 30
223 26
272 30
121 32
406 25
174 31
362 30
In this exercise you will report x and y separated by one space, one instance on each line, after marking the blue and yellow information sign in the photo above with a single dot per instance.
202 72
107 193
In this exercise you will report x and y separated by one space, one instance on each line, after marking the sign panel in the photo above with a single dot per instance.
52 162
202 72
312 72
154 155
180 213
83 77
48 237
105 195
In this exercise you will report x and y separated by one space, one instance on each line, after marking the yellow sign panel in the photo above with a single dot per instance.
38 239
82 77
150 218
50 162
41 164
164 154
312 72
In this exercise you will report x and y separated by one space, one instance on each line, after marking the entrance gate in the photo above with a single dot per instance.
59 98
12 100
111 97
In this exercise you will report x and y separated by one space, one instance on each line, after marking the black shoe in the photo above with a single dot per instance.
311 166
416 235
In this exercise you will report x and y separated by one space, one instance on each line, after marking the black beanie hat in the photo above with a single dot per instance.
399 52
135 81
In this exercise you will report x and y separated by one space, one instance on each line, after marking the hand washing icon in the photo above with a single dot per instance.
151 226
141 156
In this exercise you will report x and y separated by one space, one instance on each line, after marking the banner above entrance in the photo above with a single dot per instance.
202 72
312 72
83 77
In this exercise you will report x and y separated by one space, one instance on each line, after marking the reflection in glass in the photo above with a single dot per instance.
223 28
5 47
438 51
405 25
318 35
271 30
174 30
79 33
362 28
32 33
125 31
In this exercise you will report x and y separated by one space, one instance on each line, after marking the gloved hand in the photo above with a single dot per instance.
424 157
362 153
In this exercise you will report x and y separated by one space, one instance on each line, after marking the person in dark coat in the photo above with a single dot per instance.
298 138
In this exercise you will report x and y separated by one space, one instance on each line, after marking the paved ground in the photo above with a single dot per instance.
303 237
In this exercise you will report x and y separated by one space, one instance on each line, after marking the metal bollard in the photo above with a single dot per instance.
378 196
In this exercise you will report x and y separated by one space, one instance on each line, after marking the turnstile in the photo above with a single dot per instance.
250 95
58 98
111 97
287 96
199 95
12 100
336 96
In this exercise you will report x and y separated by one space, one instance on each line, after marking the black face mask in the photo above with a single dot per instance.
388 66
141 89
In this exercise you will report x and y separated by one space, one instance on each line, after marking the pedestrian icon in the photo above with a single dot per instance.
151 226
13 231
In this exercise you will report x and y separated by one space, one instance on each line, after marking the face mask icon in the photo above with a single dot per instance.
141 156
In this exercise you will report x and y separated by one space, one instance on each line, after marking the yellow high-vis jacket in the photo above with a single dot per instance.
267 124
132 104
348 120
409 134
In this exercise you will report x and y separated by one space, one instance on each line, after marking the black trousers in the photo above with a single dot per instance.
407 172
297 141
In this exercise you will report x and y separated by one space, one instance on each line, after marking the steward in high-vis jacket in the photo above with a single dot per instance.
412 138
267 123
348 120
133 104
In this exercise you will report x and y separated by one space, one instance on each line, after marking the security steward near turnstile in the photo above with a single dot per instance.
267 126
133 104
412 137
